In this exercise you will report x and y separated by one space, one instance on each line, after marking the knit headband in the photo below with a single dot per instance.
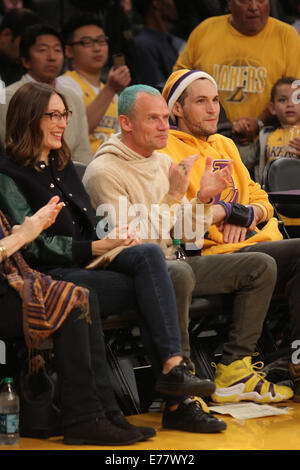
179 81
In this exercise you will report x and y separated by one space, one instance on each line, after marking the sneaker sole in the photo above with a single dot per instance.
236 393
213 428
203 390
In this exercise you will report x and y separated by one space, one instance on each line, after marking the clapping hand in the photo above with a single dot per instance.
179 176
214 182
41 220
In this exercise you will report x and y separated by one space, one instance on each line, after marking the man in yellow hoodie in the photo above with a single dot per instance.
193 103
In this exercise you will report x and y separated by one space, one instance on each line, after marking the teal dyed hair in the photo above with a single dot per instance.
127 99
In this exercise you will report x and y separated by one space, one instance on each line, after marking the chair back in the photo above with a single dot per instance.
80 168
283 174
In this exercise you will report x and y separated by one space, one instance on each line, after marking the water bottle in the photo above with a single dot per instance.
179 251
9 413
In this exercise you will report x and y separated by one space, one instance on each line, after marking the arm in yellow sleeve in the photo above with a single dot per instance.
258 197
250 192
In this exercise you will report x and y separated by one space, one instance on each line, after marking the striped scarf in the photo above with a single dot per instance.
45 302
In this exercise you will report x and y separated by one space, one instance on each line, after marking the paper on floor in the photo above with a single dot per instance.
248 410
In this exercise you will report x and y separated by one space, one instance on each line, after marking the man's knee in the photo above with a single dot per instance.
182 277
263 265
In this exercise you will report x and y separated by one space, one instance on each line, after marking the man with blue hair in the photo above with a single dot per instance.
145 189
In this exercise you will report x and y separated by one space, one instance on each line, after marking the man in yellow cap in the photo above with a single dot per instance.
193 102
129 167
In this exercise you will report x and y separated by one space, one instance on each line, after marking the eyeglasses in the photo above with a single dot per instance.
56 116
246 2
90 42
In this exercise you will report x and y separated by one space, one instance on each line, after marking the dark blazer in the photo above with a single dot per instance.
76 220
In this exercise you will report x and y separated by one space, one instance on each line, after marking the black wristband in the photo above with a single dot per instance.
239 215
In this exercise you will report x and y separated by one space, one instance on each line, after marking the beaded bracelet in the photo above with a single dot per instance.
3 253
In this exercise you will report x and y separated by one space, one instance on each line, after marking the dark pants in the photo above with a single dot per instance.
250 277
85 388
137 279
286 253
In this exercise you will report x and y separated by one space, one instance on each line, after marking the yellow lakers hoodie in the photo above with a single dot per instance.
242 189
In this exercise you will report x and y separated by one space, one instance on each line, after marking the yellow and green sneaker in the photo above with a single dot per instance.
242 380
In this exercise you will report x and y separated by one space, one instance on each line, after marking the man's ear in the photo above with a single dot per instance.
125 123
25 63
177 109
69 51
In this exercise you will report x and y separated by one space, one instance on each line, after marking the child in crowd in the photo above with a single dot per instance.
284 139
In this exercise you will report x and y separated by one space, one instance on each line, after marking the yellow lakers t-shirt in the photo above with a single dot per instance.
244 67
109 123
277 145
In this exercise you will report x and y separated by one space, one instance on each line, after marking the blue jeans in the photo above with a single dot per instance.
155 298
137 279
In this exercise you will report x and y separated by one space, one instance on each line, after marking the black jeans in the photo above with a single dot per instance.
85 388
137 279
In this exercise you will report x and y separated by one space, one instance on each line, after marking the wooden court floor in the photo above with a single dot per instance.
267 433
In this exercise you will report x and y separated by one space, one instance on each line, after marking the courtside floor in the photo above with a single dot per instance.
266 433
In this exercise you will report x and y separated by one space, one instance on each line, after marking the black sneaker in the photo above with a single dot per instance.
180 381
118 419
100 431
191 418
